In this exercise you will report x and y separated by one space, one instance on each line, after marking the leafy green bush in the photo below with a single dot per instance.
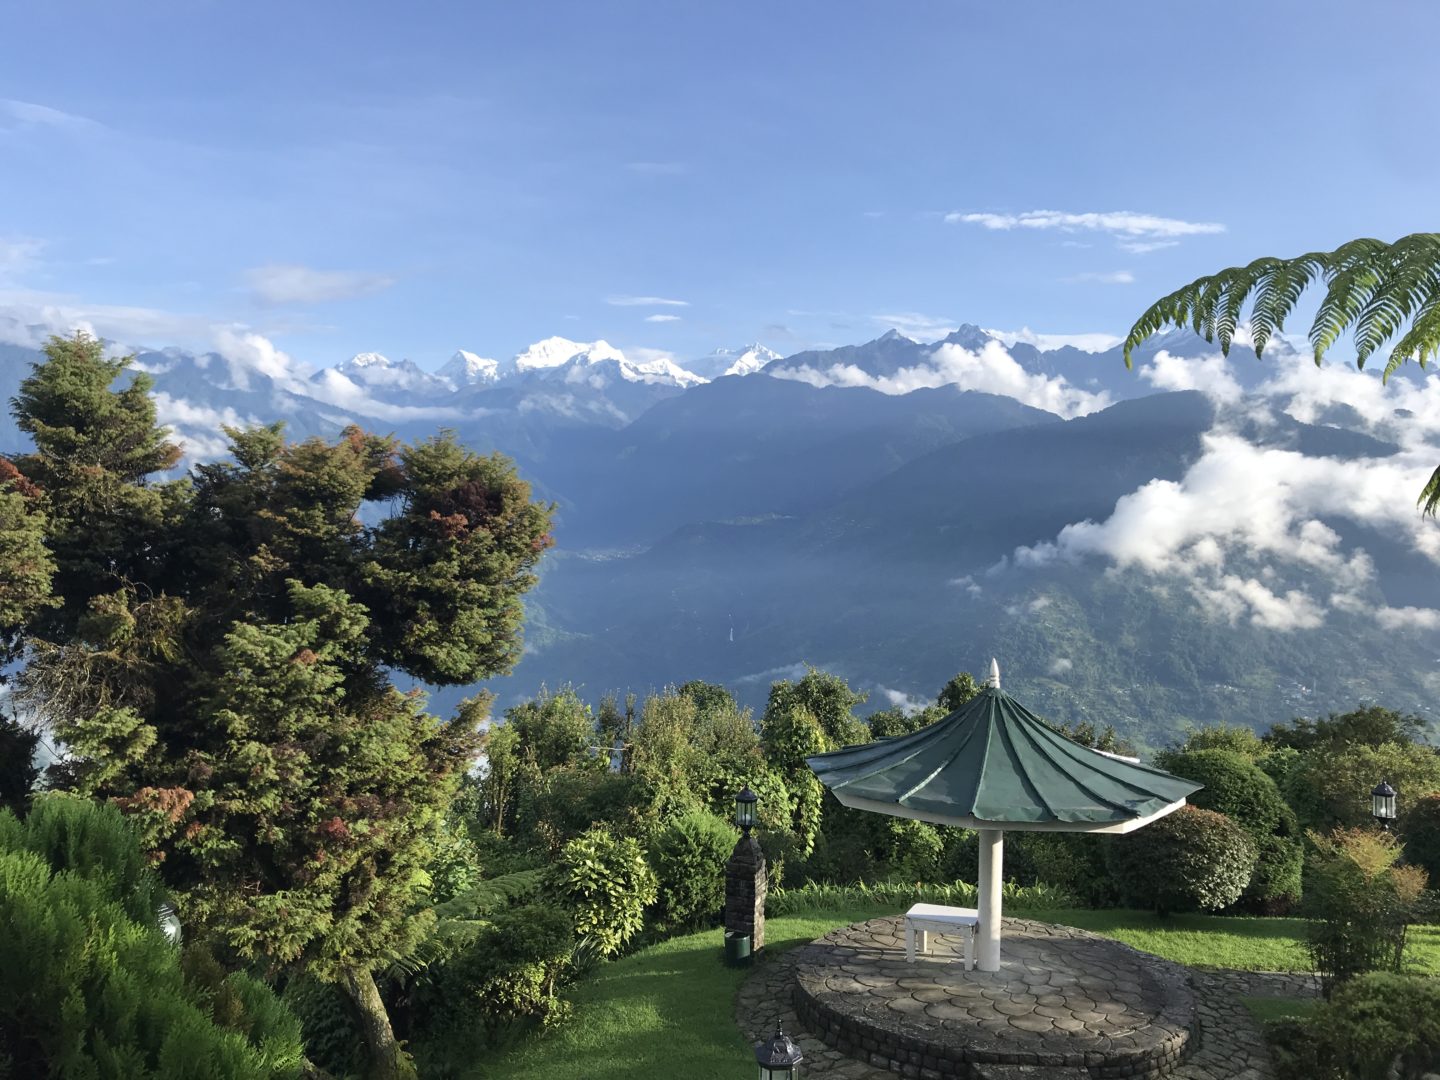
1382 1018
608 885
1072 862
1276 885
1421 832
1235 787
1187 860
92 988
1301 1050
332 1036
1377 1026
688 856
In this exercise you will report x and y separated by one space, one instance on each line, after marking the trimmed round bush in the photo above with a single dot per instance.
1191 859
606 883
688 856
1236 787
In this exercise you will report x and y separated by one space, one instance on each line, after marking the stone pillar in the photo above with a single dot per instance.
992 881
745 884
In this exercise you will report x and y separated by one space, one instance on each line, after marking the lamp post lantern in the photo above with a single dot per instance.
780 1058
1382 804
745 809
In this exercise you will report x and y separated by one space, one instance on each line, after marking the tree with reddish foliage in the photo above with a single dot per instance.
219 662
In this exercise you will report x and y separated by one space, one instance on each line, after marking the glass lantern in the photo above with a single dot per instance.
1382 804
779 1059
745 809
169 922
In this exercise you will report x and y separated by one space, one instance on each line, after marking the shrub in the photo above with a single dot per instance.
606 882
1381 1019
1276 885
1187 860
1235 787
1375 1027
1362 903
332 1037
1421 832
1072 862
688 857
92 988
511 969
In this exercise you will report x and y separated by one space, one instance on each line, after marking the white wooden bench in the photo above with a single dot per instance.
925 919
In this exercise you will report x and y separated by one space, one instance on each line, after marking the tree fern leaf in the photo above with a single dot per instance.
1421 342
1429 499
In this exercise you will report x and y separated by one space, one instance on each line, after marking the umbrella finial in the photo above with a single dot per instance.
995 673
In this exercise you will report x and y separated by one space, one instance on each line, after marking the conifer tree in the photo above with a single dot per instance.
220 665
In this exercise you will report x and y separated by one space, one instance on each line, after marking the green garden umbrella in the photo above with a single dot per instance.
992 765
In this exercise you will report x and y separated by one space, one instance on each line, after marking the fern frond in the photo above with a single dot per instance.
1422 341
1352 276
1280 284
489 896
1429 499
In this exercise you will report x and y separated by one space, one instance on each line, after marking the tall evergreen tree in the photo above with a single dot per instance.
220 665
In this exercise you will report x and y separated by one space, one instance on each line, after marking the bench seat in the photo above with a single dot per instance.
925 919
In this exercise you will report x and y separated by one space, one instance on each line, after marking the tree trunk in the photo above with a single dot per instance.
387 1061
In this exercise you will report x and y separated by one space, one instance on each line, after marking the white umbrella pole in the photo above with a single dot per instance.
992 877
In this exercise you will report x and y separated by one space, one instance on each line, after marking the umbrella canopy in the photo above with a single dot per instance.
992 764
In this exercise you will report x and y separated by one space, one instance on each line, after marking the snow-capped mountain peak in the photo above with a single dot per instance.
744 360
374 370
466 368
554 352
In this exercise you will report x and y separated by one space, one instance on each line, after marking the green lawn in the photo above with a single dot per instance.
1280 1008
672 1004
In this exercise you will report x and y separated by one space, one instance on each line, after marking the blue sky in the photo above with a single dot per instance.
416 178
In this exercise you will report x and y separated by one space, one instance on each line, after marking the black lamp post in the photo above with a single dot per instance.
1382 804
745 809
779 1059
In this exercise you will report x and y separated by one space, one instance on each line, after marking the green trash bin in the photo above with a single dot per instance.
737 949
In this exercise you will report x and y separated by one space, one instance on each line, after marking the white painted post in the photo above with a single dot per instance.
992 877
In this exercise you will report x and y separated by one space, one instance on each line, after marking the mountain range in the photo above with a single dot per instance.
1199 539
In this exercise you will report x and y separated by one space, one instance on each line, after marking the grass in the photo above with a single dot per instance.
1280 1008
670 1005
673 1003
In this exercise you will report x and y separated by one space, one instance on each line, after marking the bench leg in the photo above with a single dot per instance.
924 941
909 944
970 948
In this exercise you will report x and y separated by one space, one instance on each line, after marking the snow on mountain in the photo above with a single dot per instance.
469 369
374 371
745 360
596 364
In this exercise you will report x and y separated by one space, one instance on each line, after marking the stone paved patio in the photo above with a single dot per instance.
859 1012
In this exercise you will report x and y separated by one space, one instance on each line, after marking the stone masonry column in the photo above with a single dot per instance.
745 884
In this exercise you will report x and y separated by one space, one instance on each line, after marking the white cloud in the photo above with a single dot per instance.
1242 514
1122 223
17 254
991 370
1103 277
1209 374
34 315
1061 665
644 301
280 283
917 326
662 318
1091 343
1144 247
898 699
23 115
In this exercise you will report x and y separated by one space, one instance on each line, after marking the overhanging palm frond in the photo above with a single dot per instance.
1373 289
